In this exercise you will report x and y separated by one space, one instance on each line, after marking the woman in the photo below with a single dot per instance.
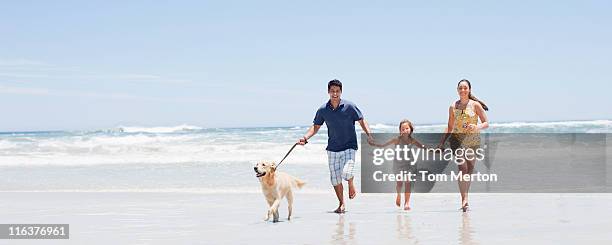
464 130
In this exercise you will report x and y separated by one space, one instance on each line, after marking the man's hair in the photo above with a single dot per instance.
334 82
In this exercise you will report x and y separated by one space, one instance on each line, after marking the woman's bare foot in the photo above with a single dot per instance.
406 207
340 209
398 200
352 192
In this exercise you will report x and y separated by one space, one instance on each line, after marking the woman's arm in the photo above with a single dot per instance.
449 126
417 143
482 114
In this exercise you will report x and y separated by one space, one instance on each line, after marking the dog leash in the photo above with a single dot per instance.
286 155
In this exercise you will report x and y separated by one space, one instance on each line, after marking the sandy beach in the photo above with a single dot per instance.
196 218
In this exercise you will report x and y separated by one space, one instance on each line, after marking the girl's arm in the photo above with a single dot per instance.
393 141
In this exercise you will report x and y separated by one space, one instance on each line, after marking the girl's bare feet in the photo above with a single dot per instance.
398 200
406 207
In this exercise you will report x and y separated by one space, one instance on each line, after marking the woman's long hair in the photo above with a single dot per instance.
472 97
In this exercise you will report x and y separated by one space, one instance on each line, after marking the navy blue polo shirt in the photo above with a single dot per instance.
340 124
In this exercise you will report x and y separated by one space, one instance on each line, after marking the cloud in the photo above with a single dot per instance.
38 71
22 75
20 62
23 91
89 94
70 93
147 78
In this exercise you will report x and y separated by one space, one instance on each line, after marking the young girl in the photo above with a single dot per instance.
405 138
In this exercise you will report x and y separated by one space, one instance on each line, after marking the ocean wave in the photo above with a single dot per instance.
565 124
140 146
134 150
382 126
157 130
593 126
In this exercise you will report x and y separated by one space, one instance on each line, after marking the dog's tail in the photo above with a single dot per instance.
298 182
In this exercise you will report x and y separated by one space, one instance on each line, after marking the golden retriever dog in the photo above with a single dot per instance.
276 186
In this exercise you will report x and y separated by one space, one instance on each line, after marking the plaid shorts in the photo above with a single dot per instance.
341 165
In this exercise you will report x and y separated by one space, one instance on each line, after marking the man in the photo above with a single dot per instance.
339 115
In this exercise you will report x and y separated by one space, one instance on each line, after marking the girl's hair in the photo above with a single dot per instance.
409 125
472 97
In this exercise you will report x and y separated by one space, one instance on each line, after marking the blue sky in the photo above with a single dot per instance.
69 65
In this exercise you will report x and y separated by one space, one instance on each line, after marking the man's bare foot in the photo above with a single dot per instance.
340 209
352 192
406 207
398 200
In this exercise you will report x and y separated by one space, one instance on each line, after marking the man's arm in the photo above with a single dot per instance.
311 132
366 129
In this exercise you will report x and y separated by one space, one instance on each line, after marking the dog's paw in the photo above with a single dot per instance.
275 216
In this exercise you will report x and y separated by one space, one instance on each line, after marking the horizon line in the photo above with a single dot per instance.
289 126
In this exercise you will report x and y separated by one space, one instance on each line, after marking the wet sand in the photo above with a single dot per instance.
197 218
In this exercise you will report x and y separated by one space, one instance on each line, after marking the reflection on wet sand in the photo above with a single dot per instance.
466 231
339 237
404 229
